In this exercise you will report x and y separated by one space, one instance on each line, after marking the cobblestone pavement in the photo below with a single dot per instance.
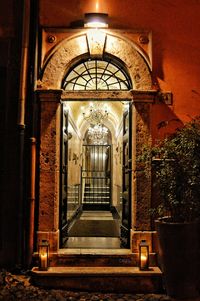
18 287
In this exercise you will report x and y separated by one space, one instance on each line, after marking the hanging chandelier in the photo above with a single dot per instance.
98 134
96 114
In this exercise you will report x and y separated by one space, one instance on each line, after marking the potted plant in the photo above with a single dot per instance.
176 166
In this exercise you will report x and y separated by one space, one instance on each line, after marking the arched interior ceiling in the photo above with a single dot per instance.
113 122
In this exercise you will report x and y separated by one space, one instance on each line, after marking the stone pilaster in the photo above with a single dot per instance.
49 167
141 184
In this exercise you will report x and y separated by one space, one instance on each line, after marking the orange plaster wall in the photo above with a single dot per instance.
175 27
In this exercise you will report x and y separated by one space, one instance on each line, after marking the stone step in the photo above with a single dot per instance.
96 258
97 187
97 200
104 279
97 195
97 192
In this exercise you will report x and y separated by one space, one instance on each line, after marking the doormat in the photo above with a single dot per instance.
94 228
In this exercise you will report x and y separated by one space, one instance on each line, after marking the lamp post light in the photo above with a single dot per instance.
43 251
143 255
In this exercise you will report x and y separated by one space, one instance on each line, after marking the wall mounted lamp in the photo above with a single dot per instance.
96 20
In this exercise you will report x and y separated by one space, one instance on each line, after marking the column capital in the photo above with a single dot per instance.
49 95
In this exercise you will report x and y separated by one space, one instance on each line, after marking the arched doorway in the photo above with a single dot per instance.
99 198
64 58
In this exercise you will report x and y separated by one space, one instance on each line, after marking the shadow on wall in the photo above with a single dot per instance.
158 54
164 121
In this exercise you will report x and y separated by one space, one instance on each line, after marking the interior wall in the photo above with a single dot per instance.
73 170
176 47
117 171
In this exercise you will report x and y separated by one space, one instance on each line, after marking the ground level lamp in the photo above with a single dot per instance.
143 255
43 251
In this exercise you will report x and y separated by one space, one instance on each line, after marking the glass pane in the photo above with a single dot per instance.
97 75
69 86
78 87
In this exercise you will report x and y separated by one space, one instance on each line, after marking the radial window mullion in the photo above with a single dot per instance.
97 75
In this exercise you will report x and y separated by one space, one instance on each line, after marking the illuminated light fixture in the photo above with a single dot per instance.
98 134
96 20
143 255
96 114
43 251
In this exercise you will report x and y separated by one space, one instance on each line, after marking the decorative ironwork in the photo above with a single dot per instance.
96 177
97 75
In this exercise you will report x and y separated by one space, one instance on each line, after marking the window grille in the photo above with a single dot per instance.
97 75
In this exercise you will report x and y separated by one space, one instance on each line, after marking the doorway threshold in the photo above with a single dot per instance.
83 251
94 257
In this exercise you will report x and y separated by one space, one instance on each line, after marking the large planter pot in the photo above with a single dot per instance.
178 253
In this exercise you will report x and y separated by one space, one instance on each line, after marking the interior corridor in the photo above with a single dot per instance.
95 229
95 174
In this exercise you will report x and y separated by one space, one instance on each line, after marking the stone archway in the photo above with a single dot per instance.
50 93
72 49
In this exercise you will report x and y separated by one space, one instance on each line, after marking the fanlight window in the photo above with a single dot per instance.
97 75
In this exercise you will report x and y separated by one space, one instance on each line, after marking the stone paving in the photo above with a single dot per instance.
18 287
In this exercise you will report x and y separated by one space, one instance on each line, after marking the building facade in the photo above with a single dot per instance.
141 72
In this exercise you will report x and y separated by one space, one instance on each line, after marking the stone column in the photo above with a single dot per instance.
141 184
49 167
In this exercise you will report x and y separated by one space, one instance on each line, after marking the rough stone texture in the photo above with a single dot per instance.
96 43
51 237
143 183
63 55
138 236
49 167
18 287
70 49
137 67
48 207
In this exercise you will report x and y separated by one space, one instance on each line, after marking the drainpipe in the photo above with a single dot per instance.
24 64
31 200
21 124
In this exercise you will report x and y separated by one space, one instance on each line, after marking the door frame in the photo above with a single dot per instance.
123 96
126 170
50 103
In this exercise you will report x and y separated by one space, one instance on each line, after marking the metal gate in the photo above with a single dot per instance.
96 177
